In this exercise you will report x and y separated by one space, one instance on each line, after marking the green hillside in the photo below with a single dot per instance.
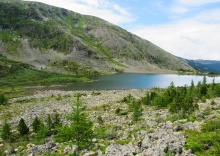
14 74
46 37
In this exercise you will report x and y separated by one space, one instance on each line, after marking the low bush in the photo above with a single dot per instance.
3 100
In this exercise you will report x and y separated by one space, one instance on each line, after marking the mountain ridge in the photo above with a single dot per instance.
207 66
53 39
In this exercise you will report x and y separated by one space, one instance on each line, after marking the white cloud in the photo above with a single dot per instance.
94 3
184 6
188 38
192 37
179 9
100 8
194 3
209 16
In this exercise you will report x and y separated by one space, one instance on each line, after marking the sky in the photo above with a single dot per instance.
185 28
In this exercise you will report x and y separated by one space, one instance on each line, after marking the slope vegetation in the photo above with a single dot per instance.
56 39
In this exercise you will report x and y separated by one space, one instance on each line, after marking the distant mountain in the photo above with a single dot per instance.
59 40
207 66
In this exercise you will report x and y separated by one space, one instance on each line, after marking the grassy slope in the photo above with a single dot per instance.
14 75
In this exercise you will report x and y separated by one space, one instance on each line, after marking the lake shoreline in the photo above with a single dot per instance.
123 81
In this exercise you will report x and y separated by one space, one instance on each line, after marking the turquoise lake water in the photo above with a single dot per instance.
138 81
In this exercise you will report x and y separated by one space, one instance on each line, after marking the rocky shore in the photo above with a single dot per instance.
157 133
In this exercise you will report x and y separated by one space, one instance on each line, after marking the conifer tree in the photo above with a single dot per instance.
36 124
49 122
81 125
56 120
192 89
192 84
203 89
137 111
43 131
213 83
6 132
22 127
80 130
217 90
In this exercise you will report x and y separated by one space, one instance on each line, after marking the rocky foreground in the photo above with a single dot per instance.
156 134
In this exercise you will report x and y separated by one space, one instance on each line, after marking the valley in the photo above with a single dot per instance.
73 84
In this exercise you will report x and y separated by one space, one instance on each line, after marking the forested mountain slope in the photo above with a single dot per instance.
209 66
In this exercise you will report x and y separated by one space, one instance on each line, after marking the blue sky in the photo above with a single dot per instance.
185 28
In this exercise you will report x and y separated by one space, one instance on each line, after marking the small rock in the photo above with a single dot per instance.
178 128
67 150
91 153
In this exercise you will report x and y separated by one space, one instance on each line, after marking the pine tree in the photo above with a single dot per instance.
36 124
49 122
203 89
56 120
43 131
22 127
192 84
217 90
6 132
192 89
137 112
213 83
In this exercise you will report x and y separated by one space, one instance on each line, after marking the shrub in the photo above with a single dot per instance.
3 100
117 111
203 99
106 132
100 120
213 102
206 142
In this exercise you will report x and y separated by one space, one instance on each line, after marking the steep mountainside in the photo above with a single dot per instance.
208 66
56 39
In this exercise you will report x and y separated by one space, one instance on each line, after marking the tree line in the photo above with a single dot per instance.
182 99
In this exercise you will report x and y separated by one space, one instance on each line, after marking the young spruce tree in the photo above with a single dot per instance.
22 127
36 124
137 111
80 130
49 122
6 132
81 126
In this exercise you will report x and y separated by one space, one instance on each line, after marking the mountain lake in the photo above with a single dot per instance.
137 81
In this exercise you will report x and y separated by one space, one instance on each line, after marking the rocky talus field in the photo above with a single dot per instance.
157 133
